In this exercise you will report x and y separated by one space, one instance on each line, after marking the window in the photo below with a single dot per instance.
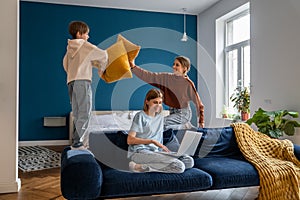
232 56
237 54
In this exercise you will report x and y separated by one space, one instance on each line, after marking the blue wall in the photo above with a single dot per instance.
43 40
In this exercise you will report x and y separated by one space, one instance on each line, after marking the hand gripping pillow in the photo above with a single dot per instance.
131 48
118 66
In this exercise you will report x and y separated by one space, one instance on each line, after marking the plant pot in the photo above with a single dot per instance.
224 116
245 116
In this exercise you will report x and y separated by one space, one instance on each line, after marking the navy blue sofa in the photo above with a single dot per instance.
218 164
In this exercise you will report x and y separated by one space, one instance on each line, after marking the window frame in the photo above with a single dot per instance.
240 54
222 82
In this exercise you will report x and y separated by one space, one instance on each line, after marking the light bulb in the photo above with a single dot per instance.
184 37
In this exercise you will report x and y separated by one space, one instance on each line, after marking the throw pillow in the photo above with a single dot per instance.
118 66
170 140
217 142
131 48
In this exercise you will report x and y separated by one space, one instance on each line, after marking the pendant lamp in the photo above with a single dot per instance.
184 37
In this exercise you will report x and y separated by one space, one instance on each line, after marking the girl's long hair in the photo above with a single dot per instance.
152 94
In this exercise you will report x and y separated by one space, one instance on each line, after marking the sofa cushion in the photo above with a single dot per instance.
217 142
228 172
81 176
168 136
110 148
297 151
121 183
170 140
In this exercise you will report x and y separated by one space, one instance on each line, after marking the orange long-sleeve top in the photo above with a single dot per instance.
178 90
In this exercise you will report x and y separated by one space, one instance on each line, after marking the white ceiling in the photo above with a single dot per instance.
170 6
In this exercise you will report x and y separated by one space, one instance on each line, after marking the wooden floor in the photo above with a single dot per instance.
45 185
247 193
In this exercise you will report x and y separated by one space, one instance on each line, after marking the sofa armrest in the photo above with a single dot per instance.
80 175
297 151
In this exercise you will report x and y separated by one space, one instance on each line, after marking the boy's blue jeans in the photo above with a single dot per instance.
80 93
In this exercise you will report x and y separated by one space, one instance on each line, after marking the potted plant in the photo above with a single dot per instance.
224 112
275 123
241 100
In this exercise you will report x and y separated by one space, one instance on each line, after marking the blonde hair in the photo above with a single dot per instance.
152 94
185 62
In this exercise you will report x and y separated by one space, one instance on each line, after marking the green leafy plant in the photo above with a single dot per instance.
275 123
241 99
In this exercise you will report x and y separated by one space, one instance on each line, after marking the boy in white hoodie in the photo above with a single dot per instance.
77 63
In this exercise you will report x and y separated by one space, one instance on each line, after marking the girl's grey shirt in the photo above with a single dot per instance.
146 127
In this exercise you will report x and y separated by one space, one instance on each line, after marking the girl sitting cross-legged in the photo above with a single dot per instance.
145 140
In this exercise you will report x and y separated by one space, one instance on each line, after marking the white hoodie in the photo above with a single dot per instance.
78 58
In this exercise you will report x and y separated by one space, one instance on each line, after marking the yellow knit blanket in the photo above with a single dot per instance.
274 159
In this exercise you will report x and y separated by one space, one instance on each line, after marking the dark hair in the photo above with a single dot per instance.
185 62
77 26
152 94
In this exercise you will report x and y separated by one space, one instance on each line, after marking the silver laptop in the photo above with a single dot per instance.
188 144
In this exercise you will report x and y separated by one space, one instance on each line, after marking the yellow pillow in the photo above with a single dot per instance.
118 66
131 48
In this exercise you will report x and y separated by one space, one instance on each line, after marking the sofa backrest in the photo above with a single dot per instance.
217 142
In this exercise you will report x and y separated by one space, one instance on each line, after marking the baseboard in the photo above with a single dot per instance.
10 187
45 143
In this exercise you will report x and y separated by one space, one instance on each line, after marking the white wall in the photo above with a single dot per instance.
275 43
275 65
9 181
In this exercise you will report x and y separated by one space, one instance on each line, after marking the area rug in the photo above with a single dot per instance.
34 158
